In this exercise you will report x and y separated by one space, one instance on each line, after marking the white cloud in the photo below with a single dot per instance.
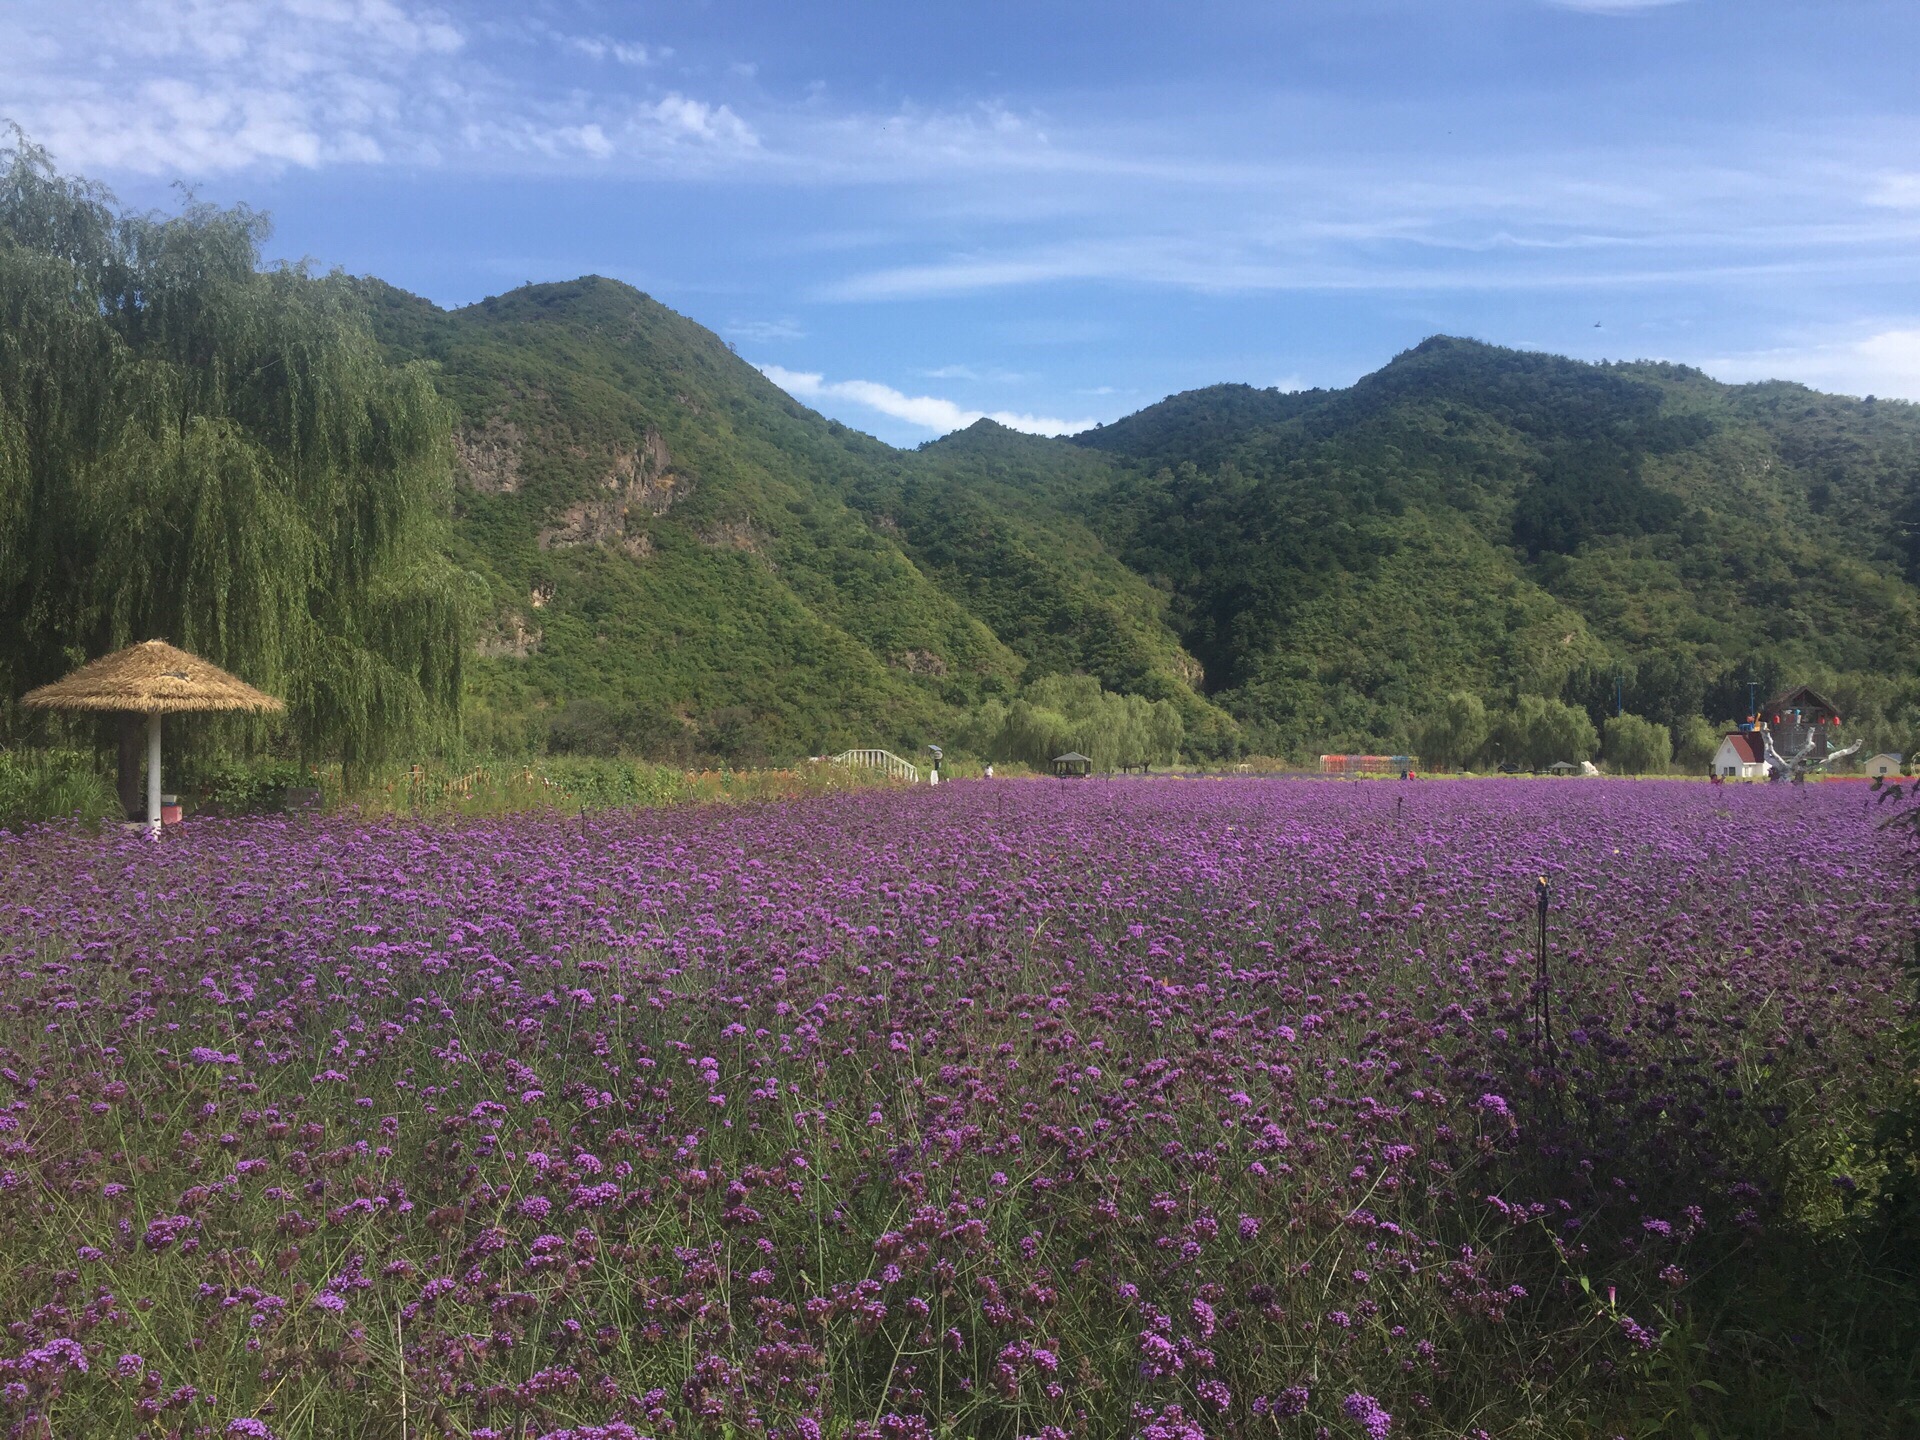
201 87
597 47
593 140
521 136
924 412
1459 242
204 86
675 131
978 376
765 331
696 120
1886 363
381 21
1896 192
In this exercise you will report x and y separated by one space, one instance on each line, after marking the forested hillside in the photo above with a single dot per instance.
570 519
685 561
1504 522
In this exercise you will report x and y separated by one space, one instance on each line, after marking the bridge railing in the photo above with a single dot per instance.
884 760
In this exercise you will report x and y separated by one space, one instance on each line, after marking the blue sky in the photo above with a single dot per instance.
910 214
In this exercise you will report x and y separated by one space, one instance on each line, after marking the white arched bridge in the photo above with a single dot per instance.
884 760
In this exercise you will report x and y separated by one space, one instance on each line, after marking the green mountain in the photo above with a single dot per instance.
1507 522
685 561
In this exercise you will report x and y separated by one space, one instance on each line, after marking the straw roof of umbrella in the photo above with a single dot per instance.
152 678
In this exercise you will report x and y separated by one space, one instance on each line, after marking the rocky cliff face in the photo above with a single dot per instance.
640 483
487 456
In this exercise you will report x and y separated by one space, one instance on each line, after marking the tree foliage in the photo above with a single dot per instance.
1538 732
1060 713
1694 743
1453 732
1634 745
194 449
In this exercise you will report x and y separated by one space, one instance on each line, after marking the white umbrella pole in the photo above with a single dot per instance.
153 774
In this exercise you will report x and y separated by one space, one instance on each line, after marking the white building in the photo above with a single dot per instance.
1887 767
1741 756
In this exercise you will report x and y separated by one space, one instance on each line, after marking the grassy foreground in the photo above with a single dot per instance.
40 785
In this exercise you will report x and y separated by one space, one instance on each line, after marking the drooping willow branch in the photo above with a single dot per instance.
196 449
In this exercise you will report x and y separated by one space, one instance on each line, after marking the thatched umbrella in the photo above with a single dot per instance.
153 679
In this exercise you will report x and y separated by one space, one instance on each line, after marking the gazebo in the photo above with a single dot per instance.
1073 765
152 679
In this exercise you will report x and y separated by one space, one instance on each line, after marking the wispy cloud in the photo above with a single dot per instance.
989 375
212 85
673 131
926 412
698 120
1544 216
1885 362
599 47
1897 192
202 87
1223 265
1614 7
766 331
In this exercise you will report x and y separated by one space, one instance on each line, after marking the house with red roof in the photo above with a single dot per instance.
1741 756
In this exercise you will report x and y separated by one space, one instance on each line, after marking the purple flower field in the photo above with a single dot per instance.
1151 1109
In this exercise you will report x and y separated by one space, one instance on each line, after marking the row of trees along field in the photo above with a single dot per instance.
1061 713
1535 732
196 448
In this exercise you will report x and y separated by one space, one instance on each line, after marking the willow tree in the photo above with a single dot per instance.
196 449
1073 712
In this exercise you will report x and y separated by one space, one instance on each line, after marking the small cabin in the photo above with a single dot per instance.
1742 756
1884 767
1073 765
